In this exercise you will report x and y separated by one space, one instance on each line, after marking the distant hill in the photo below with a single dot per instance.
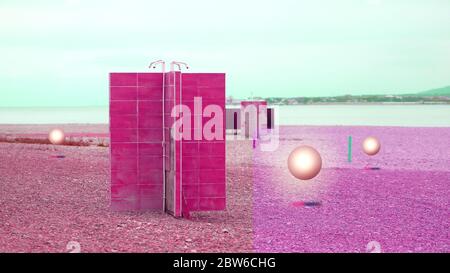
443 91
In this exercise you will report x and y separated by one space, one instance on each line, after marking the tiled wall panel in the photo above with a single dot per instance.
136 135
204 183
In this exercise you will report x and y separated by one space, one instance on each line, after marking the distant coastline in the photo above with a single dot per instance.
351 100
354 103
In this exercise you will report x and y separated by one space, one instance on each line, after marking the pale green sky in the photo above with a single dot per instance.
59 53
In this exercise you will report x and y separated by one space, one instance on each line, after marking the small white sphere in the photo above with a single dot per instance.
304 162
371 146
56 136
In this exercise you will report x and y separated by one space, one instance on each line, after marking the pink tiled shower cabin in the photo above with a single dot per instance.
144 152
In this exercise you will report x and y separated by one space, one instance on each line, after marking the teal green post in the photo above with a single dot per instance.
349 148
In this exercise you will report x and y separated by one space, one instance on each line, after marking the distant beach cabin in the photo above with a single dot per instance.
250 118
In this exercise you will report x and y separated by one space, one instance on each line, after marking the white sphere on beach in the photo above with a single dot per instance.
304 162
56 136
371 145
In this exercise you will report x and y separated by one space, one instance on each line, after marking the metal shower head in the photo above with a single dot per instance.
179 64
153 64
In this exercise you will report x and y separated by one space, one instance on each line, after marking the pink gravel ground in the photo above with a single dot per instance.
45 202
404 206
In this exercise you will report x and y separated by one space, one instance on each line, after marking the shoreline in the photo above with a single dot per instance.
98 134
238 105
76 134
